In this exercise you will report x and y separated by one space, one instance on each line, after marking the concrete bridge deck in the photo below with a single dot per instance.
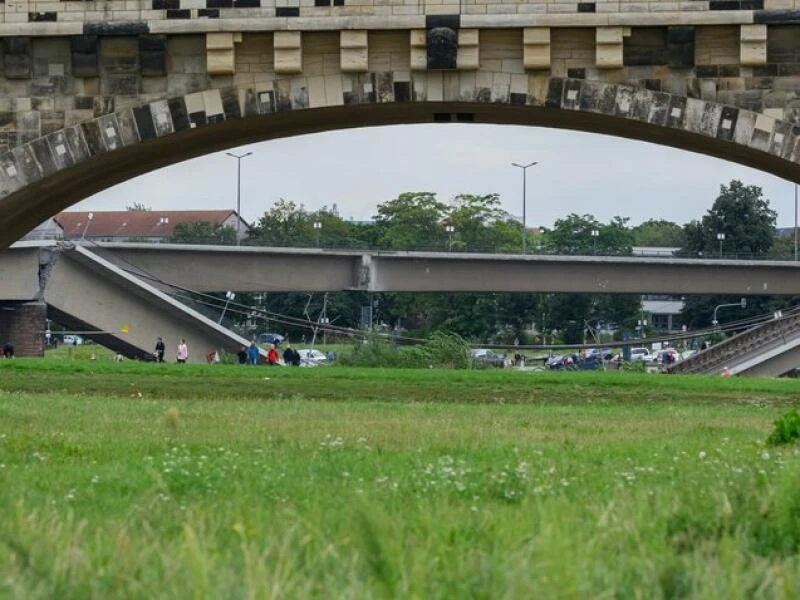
255 269
88 293
247 268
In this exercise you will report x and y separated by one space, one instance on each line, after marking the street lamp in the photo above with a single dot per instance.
449 229
89 218
228 297
795 222
595 235
162 221
317 229
524 202
720 238
239 193
741 304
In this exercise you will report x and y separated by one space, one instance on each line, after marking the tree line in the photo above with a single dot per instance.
739 223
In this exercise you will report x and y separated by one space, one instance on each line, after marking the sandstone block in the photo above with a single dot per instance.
608 49
536 47
753 45
288 52
468 56
354 51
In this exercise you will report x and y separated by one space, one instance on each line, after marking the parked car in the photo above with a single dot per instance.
73 340
483 357
641 354
270 338
604 353
312 357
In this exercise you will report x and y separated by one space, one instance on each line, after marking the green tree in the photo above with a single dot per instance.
569 313
621 309
333 231
413 220
658 232
783 246
480 224
290 224
742 215
203 232
285 224
584 234
137 207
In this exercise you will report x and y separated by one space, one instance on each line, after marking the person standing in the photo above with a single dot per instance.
160 350
272 356
288 355
183 352
252 354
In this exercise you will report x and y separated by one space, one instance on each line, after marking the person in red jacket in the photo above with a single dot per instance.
272 356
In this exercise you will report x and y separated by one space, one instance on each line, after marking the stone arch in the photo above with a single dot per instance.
43 176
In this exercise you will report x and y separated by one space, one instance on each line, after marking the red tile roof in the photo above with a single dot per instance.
131 223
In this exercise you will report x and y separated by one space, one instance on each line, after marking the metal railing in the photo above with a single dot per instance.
348 243
743 346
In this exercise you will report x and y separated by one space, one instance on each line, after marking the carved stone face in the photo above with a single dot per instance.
442 48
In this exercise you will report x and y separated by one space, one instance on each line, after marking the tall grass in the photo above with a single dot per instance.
597 486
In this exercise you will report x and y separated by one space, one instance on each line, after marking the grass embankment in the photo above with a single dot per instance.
141 480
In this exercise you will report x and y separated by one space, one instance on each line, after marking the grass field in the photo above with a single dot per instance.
141 480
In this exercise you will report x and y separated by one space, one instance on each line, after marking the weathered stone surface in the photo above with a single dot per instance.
23 325
72 99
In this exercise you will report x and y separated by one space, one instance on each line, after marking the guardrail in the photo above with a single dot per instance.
471 248
741 347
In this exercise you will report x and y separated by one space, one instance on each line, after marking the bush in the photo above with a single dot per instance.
442 350
446 351
633 366
786 430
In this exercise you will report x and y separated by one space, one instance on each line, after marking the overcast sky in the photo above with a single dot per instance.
358 169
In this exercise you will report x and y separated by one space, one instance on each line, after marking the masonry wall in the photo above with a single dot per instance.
70 11
47 83
23 325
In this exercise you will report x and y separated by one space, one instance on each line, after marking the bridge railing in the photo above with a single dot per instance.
739 348
349 243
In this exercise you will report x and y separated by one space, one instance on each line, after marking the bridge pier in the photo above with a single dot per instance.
23 325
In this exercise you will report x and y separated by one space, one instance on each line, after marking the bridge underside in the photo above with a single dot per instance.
46 195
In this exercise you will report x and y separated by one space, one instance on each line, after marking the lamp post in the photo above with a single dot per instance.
239 158
449 229
741 304
595 235
524 202
228 297
795 222
317 230
89 218
720 238
162 222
